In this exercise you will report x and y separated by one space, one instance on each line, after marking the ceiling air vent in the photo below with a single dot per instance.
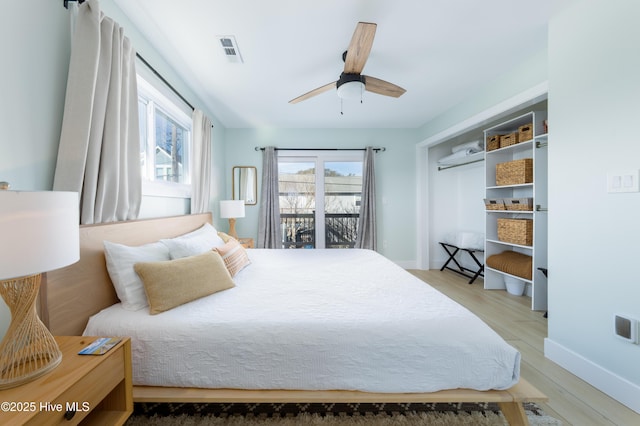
230 48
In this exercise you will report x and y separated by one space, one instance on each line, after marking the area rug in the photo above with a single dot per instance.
410 414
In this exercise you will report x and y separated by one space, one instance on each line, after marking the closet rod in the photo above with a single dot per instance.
458 165
257 148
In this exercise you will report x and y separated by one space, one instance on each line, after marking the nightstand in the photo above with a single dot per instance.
92 389
246 242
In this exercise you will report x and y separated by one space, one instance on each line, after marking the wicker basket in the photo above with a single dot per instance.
525 133
493 142
519 204
494 204
514 172
508 140
516 231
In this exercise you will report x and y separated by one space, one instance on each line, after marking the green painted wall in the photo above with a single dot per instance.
594 105
395 176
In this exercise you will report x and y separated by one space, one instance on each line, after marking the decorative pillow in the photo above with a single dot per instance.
120 260
199 241
234 256
173 283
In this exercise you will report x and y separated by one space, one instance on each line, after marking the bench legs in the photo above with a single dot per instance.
469 273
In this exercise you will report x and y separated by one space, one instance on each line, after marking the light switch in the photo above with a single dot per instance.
623 181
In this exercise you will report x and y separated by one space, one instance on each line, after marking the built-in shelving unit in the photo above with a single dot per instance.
536 149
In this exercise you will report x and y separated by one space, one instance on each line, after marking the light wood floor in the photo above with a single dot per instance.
571 400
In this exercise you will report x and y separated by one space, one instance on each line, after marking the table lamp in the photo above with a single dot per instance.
39 232
231 209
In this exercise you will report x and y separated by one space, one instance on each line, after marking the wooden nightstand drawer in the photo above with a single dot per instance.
87 393
96 389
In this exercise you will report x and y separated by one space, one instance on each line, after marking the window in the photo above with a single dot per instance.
165 142
320 199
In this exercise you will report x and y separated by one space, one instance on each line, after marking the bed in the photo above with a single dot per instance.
304 346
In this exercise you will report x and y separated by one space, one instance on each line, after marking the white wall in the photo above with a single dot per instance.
395 176
594 111
34 41
513 81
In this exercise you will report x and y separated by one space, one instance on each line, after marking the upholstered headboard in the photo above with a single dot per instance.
69 296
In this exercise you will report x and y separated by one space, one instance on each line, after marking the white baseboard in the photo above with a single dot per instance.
616 387
406 264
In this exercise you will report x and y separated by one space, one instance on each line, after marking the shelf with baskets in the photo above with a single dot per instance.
516 205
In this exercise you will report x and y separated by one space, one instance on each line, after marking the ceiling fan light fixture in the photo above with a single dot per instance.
350 86
351 90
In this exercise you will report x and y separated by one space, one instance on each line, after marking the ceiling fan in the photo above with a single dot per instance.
352 83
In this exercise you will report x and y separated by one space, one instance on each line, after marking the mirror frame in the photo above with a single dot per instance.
235 192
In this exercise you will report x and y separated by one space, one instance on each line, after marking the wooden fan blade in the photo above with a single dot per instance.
313 93
359 48
381 87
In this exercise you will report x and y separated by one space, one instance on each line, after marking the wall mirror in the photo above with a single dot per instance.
244 183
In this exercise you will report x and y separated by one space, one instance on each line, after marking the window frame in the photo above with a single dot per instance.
156 94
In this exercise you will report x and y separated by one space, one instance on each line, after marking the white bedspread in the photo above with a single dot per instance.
317 320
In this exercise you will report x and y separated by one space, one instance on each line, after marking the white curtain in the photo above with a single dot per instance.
269 235
201 163
99 151
367 235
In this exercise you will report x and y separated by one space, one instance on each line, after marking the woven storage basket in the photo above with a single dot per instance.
493 142
494 204
516 231
514 172
519 204
525 133
508 140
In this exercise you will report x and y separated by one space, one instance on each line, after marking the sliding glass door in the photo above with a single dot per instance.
297 187
320 198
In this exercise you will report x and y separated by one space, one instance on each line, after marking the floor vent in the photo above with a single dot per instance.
230 48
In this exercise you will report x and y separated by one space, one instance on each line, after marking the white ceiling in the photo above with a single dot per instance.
440 51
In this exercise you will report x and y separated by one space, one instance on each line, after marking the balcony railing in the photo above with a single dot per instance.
298 230
340 230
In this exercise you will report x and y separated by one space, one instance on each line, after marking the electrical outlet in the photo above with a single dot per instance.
626 328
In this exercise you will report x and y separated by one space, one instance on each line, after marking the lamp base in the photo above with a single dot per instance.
28 349
232 228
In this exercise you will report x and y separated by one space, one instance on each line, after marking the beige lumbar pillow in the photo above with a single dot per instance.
173 283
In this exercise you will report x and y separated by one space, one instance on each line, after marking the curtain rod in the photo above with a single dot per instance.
153 70
173 89
257 148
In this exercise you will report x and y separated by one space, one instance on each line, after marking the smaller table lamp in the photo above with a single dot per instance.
39 232
231 209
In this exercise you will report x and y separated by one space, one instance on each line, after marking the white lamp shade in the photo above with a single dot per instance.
39 232
231 208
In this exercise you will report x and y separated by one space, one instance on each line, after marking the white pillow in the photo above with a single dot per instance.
196 242
120 260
